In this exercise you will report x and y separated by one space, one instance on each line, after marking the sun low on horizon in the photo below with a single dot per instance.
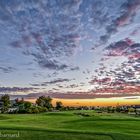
82 52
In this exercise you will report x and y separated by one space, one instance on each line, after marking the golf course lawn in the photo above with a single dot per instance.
70 125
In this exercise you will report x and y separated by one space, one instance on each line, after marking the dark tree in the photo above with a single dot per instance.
44 102
6 102
16 100
59 105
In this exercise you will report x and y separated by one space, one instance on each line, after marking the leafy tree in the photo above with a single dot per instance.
40 101
42 109
27 104
33 109
23 106
44 102
48 102
118 109
131 109
110 109
16 100
6 102
59 105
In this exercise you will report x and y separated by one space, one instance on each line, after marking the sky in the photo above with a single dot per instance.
71 49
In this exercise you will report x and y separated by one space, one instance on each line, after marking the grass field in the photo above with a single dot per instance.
70 126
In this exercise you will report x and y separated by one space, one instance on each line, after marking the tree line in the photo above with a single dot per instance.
42 104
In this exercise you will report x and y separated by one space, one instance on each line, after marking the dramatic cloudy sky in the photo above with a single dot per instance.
75 48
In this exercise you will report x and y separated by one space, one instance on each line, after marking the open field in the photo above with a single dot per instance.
70 125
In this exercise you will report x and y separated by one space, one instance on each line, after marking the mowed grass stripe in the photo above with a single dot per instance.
61 124
55 135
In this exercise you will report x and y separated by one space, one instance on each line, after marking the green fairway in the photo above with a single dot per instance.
70 125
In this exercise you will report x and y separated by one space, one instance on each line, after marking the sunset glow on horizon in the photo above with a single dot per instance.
95 102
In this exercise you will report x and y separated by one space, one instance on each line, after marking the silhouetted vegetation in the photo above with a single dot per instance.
59 105
5 99
44 104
